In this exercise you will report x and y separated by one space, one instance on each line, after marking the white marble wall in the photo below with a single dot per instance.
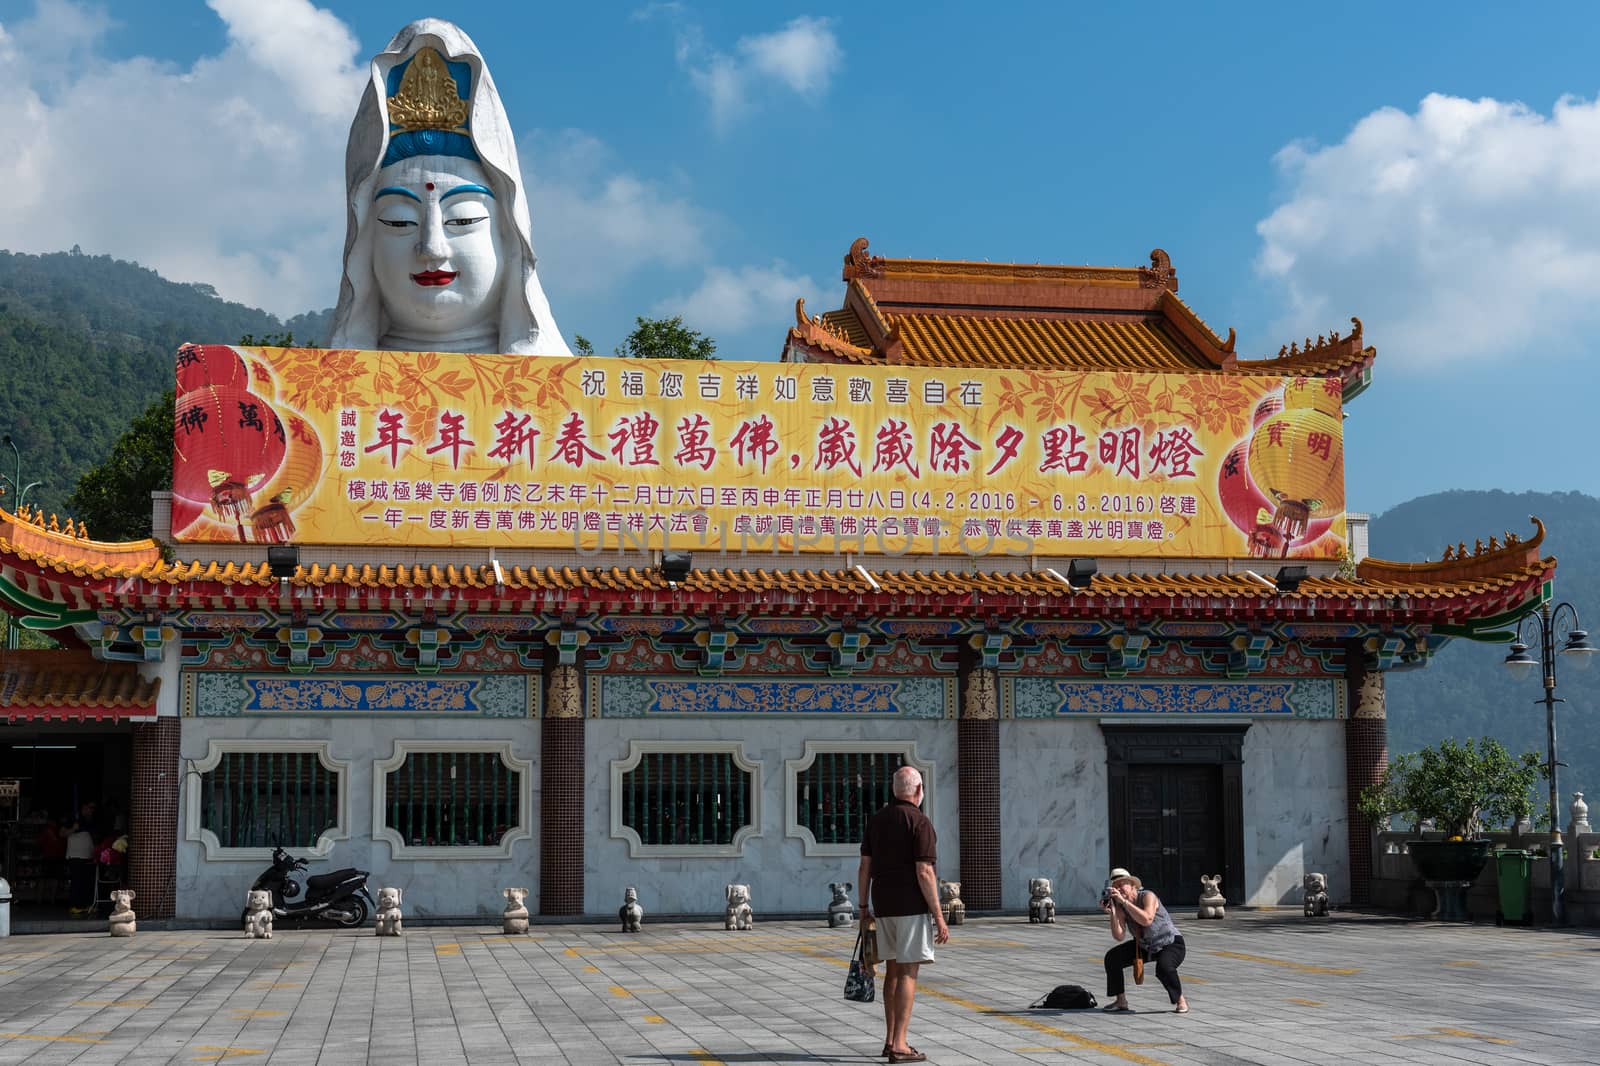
213 889
1053 820
782 878
1294 810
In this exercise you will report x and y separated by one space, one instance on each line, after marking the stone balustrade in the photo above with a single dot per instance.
1396 886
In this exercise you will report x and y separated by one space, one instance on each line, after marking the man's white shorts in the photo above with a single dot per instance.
906 938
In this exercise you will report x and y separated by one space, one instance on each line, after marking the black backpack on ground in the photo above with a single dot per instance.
1067 997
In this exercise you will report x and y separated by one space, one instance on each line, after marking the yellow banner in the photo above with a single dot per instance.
401 448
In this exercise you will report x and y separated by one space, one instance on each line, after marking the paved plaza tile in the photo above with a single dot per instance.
1267 988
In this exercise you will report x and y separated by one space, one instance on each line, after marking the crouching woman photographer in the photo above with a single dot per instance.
1136 910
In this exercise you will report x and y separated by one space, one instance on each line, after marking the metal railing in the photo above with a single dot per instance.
452 799
257 799
685 798
839 791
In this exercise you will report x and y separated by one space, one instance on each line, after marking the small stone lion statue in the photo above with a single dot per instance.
123 921
1316 890
389 916
738 915
632 913
1211 900
1041 908
955 912
841 911
258 915
515 918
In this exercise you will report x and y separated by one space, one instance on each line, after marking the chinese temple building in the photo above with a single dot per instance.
1037 530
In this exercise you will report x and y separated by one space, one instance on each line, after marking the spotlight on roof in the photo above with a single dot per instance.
1289 578
1080 573
675 566
283 559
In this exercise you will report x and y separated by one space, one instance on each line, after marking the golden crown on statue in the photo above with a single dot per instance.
428 98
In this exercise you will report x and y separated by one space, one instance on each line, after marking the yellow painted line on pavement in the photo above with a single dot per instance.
703 1057
571 951
1081 1043
225 1052
242 1013
1463 962
1442 1032
1071 1047
654 1019
270 985
591 969
56 1039
1285 963
1307 1002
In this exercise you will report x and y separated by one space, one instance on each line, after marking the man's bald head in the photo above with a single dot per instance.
906 782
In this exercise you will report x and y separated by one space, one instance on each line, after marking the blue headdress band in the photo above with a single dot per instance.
429 142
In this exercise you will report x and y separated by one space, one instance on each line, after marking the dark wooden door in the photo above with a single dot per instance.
1174 828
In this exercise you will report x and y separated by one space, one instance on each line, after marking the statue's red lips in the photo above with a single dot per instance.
434 277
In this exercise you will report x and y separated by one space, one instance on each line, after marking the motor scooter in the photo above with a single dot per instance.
340 897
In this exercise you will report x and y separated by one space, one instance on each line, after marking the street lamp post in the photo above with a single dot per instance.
1552 626
16 481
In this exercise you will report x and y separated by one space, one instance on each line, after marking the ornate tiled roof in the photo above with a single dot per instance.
921 312
71 685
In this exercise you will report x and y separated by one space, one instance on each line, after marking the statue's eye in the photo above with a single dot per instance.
398 223
462 223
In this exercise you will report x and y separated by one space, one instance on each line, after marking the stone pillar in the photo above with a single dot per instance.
153 817
1366 755
978 770
561 794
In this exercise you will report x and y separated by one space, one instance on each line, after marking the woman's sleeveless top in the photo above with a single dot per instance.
1160 932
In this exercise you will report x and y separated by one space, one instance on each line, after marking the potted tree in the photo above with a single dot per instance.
1459 788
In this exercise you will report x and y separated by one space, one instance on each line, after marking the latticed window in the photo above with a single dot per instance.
259 799
840 790
686 798
465 799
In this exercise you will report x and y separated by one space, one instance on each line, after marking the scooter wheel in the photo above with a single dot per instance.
354 913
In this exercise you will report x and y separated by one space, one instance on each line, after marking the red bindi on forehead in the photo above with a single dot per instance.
429 186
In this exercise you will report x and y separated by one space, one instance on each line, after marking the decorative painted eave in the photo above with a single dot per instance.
1459 564
1346 357
72 685
69 541
815 336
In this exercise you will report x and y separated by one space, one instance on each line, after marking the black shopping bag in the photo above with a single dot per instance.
859 984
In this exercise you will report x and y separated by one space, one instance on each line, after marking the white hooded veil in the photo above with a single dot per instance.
525 323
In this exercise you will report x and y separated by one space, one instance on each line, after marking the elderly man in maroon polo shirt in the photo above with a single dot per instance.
900 889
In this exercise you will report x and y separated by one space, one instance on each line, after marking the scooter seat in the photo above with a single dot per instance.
329 880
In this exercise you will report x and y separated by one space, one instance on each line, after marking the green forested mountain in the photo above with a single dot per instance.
1467 691
86 343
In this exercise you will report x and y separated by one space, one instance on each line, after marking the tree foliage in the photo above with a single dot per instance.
665 338
1461 788
113 498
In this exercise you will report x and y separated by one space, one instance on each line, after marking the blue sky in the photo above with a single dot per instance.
1434 170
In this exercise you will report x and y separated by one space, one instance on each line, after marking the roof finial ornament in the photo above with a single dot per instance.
858 264
1355 334
1449 552
1494 544
1159 274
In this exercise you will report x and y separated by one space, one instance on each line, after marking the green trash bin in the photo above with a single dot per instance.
1515 871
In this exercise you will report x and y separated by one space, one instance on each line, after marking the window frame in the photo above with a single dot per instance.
195 771
399 850
637 750
793 768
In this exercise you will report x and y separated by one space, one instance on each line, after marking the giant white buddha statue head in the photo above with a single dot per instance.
437 253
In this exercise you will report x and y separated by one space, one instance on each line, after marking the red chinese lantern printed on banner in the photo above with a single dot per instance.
1297 459
293 483
1248 508
226 442
210 364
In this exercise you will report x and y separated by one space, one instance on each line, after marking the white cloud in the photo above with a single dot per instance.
227 171
1468 230
733 301
801 57
594 224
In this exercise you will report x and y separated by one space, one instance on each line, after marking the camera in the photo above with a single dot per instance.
1105 895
